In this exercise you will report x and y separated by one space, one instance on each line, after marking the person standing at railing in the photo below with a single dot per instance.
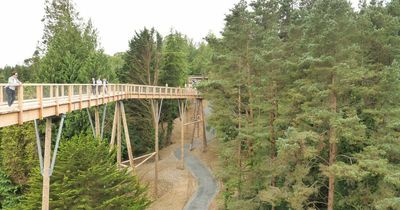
93 86
10 88
99 84
105 86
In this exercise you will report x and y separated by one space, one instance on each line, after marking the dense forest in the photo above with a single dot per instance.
304 97
69 52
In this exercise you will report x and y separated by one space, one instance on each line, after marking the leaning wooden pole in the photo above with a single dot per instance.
97 122
46 166
203 117
127 139
114 128
195 118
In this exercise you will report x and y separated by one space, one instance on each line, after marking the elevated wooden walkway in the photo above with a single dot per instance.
37 101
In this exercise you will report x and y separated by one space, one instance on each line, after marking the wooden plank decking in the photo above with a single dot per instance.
45 100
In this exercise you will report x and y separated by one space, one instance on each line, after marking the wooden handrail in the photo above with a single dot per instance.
110 92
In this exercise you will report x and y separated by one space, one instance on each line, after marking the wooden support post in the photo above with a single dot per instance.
203 117
21 104
156 157
97 121
196 105
127 139
39 97
119 152
114 127
182 117
156 111
46 166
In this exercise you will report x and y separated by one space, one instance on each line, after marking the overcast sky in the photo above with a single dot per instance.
115 20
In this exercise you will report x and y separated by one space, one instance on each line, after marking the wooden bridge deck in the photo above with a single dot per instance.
45 100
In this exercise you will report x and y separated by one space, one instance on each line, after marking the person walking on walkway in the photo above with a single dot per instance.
93 86
10 88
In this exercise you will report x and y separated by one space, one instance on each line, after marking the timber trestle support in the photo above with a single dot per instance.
156 113
98 130
120 124
119 115
47 164
198 117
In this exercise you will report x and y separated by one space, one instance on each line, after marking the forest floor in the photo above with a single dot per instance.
176 186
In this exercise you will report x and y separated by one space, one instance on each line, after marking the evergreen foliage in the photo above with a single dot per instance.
18 152
142 66
304 100
9 196
86 177
173 72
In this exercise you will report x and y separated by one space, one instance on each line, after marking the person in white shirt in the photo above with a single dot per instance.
99 84
105 85
10 88
93 86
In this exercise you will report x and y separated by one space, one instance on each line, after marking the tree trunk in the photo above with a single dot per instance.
332 147
240 143
272 117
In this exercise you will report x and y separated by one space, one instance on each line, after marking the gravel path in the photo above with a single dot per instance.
207 186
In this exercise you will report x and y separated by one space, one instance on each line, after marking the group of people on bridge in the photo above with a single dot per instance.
98 86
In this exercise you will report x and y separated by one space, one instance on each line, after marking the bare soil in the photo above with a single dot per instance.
176 186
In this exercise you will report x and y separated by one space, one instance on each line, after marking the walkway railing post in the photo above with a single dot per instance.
70 91
1 94
21 104
39 97
89 93
57 102
62 91
80 97
51 91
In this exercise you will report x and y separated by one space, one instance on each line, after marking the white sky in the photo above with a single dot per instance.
115 20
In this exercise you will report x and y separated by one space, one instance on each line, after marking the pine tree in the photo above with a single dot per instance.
18 152
85 177
69 50
174 73
142 66
9 195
